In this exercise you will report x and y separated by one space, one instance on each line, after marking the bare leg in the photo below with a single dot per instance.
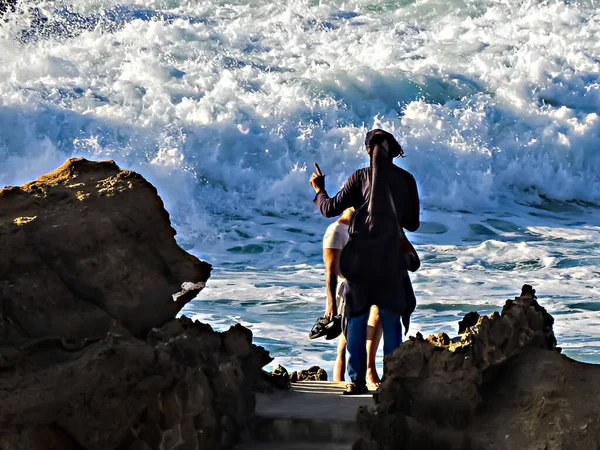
374 333
340 362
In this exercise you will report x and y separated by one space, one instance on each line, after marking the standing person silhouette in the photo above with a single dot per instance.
395 301
334 240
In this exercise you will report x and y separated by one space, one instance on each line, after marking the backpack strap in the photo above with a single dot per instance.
391 198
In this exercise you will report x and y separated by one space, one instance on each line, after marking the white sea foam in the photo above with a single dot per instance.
224 106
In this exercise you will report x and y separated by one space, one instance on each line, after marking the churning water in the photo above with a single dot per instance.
224 105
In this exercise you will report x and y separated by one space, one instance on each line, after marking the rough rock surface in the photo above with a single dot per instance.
84 246
278 378
313 373
91 355
504 385
184 387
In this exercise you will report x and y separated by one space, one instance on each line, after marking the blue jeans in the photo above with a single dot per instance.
357 342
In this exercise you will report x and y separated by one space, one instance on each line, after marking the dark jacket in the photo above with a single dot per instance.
355 193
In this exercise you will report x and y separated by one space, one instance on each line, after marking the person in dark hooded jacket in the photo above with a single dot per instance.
396 301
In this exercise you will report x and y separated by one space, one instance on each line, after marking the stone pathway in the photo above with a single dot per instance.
312 415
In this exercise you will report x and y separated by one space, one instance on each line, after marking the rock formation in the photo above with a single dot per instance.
313 373
91 355
87 245
184 387
503 385
278 378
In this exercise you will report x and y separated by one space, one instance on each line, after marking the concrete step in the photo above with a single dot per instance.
303 430
293 446
312 400
308 412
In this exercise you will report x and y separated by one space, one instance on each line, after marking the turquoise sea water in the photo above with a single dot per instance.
470 262
225 105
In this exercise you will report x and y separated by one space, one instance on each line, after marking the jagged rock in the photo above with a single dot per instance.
313 373
278 378
237 340
502 386
91 355
281 372
97 242
468 321
95 396
441 340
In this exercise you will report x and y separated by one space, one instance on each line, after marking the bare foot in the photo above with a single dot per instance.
373 378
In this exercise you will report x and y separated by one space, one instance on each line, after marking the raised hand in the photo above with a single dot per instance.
317 179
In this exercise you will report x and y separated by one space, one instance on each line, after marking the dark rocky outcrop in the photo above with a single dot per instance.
91 355
503 385
85 246
183 387
313 373
470 320
278 378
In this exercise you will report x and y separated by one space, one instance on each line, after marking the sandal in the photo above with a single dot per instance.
353 389
319 328
334 329
330 328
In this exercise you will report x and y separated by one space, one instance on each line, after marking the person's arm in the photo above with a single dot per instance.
411 220
331 258
345 198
